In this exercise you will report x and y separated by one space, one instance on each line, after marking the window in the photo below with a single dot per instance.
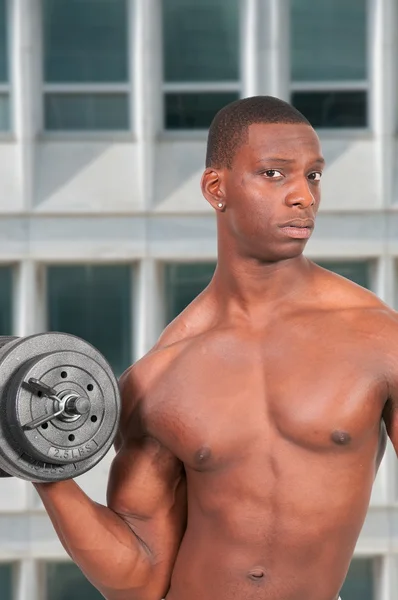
65 581
6 581
201 60
359 584
4 70
6 292
357 271
328 59
94 303
183 283
85 67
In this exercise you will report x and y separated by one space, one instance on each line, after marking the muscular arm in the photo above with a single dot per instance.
127 549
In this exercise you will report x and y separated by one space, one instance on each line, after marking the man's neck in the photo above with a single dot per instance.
245 287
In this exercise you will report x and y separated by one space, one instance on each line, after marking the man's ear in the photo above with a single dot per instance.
213 188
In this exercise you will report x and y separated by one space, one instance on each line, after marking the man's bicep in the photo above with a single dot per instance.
144 479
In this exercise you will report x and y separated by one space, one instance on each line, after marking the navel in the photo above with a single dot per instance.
342 438
257 574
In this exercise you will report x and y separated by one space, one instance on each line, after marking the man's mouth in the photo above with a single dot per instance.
298 232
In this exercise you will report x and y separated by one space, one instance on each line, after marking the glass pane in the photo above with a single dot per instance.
94 303
333 109
66 582
6 285
4 112
183 282
359 582
201 40
6 581
194 111
359 272
85 40
85 112
328 41
3 43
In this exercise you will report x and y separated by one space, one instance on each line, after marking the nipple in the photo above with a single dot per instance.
342 438
203 454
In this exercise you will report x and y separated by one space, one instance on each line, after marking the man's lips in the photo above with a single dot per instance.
298 228
299 223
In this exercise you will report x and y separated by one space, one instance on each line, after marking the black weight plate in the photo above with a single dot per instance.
13 459
59 441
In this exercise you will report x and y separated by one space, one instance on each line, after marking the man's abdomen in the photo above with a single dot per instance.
287 533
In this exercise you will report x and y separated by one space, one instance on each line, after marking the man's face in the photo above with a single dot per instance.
272 191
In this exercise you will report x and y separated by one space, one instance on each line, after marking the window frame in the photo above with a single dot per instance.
344 85
200 87
81 88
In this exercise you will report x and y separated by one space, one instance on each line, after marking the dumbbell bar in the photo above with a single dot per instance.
59 407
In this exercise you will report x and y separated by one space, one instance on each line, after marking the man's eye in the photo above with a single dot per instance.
273 174
316 176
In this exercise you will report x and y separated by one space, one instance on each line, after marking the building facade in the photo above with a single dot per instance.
104 108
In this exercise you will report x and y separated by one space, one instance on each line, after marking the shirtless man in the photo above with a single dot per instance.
252 432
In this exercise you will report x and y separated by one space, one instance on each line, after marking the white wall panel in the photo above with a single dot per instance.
88 177
11 199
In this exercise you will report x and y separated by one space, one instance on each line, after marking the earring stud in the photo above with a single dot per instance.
220 205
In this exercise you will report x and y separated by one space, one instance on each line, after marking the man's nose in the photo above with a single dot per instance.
300 196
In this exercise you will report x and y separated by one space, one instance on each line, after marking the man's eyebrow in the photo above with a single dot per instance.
320 160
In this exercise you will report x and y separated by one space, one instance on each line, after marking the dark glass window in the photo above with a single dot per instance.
357 271
94 303
329 40
6 581
333 109
359 584
4 112
200 46
194 111
183 282
4 68
329 45
64 581
100 112
86 42
201 40
3 42
6 294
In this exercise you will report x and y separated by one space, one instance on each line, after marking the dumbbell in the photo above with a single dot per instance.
59 407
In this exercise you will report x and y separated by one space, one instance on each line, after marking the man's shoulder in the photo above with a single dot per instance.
337 290
355 307
138 383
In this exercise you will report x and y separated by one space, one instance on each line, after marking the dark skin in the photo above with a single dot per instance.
263 410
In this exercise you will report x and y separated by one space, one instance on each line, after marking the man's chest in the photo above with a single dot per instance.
324 395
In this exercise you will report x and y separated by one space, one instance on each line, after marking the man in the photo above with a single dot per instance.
252 432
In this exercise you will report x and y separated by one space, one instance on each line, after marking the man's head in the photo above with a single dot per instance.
263 168
229 128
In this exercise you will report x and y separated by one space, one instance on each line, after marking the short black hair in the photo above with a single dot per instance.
229 128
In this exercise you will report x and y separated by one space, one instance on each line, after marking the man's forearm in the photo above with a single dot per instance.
98 540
